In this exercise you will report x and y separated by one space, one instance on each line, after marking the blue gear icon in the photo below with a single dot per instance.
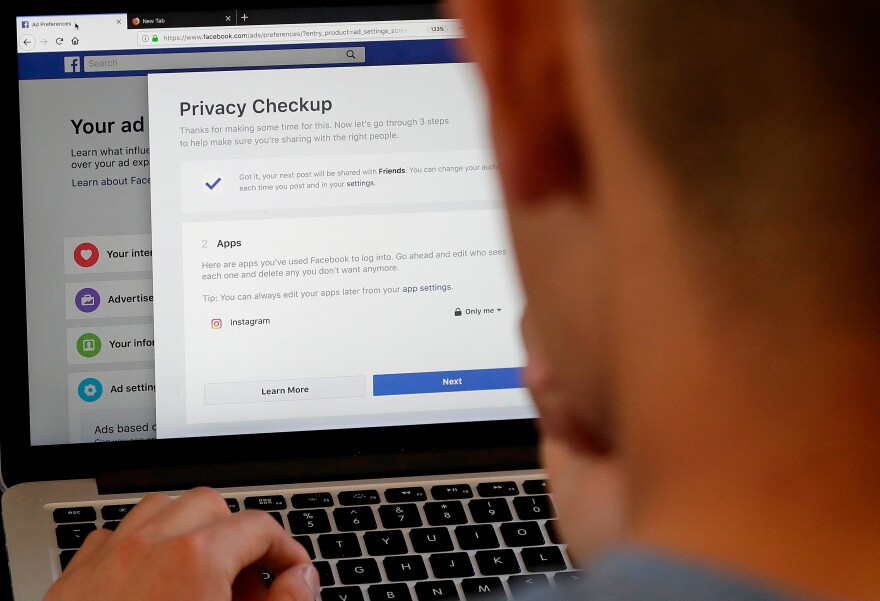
90 390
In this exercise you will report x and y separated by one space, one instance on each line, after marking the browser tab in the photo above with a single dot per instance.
164 20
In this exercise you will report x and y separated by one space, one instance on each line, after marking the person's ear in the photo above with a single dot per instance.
520 48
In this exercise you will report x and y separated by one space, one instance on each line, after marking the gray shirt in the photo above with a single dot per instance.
631 574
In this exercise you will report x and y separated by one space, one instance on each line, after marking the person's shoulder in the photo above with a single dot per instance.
631 574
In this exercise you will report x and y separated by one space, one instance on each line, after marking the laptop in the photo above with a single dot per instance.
264 250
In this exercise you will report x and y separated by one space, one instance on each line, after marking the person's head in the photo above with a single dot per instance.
695 208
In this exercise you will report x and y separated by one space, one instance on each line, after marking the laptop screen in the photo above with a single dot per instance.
239 222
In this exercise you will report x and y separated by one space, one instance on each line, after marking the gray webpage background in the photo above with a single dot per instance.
55 210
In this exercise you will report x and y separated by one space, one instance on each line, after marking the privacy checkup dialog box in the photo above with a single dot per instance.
329 250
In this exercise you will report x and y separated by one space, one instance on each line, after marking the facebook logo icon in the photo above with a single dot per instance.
71 64
25 24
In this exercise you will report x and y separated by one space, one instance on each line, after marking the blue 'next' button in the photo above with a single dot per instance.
447 381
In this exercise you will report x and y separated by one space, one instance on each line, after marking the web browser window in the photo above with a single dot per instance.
245 222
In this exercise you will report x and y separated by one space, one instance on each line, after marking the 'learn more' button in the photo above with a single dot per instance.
447 381
306 389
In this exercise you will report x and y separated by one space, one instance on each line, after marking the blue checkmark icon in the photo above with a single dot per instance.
214 185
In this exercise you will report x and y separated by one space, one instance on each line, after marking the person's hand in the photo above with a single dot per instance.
191 548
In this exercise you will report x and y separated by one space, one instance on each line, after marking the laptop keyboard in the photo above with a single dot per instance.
462 540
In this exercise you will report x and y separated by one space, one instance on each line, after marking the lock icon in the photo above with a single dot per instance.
155 38
458 312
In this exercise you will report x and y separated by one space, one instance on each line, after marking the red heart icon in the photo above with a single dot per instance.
86 254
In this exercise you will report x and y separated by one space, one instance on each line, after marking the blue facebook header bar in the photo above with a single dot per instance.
70 65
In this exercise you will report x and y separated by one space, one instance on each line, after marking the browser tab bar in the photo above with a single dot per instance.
280 16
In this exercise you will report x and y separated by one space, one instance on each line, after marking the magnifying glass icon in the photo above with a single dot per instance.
350 54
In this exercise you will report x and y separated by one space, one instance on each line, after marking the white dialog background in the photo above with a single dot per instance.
212 380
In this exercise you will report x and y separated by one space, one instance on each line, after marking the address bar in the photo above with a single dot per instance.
338 32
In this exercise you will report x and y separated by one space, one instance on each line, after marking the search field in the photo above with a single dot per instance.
211 60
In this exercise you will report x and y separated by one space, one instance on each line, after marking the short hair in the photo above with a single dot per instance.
766 114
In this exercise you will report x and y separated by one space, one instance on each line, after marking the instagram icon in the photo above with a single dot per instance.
216 323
